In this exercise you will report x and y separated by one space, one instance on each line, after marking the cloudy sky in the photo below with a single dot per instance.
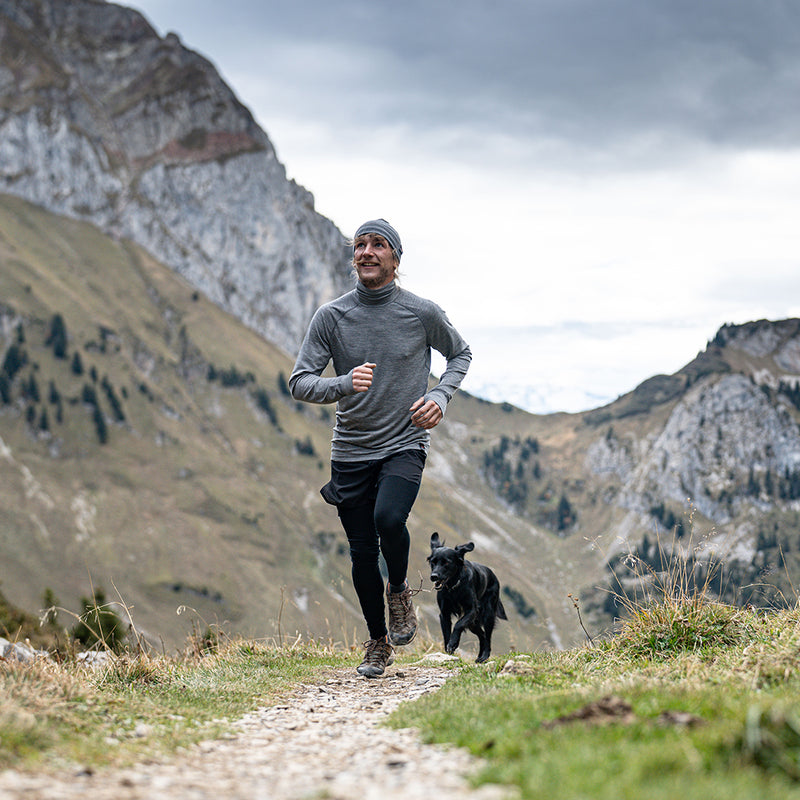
589 188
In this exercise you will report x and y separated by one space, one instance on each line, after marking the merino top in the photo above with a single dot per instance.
395 330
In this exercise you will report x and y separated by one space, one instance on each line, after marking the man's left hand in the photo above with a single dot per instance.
426 415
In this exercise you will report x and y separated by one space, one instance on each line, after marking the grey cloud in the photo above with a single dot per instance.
593 74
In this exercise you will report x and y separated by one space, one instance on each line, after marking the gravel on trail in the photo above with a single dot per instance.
325 740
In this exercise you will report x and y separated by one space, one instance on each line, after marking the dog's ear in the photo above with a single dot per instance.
435 541
465 548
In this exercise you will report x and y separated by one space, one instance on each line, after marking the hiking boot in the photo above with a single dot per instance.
402 619
378 656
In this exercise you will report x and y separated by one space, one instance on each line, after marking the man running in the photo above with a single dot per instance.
379 337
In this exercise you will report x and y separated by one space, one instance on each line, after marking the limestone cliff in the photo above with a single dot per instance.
103 120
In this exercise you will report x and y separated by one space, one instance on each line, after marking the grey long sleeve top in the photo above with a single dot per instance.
395 330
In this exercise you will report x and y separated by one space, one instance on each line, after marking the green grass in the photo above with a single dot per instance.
54 715
691 700
734 673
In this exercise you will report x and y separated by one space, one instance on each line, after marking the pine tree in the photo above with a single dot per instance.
100 425
15 359
77 364
57 337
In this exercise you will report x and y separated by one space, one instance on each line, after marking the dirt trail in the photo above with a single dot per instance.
325 741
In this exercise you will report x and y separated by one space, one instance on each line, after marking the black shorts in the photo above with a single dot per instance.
355 483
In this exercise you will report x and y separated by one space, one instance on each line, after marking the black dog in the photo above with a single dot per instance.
465 590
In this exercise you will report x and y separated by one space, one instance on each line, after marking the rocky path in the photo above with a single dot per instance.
325 741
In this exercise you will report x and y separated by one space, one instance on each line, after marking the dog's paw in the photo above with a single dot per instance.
452 646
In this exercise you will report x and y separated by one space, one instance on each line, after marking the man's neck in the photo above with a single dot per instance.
374 296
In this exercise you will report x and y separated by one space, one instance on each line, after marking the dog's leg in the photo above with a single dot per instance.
465 622
486 626
484 642
444 621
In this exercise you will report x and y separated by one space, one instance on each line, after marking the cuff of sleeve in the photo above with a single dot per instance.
440 398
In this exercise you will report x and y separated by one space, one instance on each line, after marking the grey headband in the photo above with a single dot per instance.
382 228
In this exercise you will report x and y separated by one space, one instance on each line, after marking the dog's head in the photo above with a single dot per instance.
446 562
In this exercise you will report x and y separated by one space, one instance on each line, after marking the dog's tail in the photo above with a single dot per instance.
501 612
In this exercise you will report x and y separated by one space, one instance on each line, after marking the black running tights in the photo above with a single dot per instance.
374 529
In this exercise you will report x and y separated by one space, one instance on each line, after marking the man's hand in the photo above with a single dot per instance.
426 415
362 376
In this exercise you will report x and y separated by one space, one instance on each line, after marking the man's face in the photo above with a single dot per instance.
374 260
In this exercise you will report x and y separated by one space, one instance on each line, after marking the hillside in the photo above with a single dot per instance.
204 489
199 484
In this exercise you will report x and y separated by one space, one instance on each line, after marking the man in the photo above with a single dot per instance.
379 338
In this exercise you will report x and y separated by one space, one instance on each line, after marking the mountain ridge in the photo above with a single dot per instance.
159 270
104 121
204 493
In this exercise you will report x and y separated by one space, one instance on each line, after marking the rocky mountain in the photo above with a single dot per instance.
148 446
104 121
156 267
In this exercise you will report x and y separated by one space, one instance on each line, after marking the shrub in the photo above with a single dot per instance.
686 624
305 447
99 623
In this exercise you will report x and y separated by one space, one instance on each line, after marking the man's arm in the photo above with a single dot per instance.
442 393
305 382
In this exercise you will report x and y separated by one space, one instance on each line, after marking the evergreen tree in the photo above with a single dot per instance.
116 406
30 389
565 514
89 395
769 487
15 359
57 336
100 425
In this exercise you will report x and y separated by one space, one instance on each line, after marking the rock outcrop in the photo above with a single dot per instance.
731 439
103 120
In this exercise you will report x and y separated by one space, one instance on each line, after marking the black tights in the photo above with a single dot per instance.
379 528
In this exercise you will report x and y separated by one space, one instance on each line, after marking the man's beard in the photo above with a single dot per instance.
374 281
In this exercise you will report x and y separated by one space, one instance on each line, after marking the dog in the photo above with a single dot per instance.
465 590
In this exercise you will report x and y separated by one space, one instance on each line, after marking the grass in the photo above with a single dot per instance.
55 715
691 698
706 702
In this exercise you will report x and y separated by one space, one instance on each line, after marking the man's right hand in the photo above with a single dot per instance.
362 376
